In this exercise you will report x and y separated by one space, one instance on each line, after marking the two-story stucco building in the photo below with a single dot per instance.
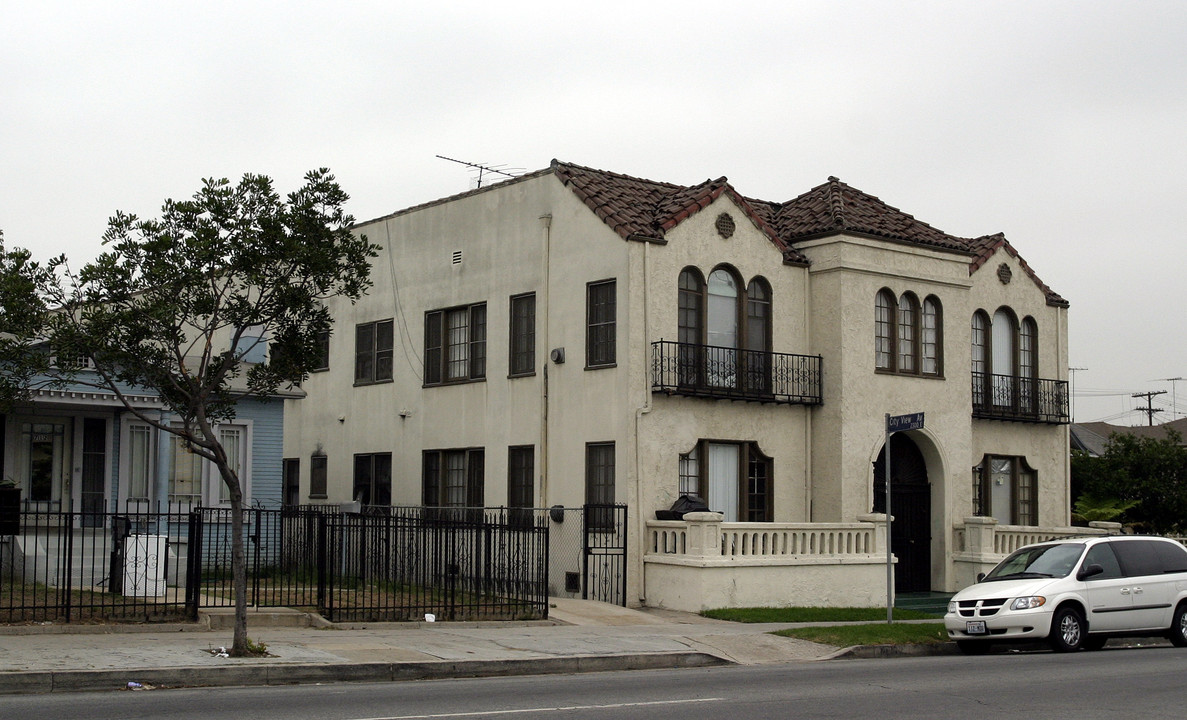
578 336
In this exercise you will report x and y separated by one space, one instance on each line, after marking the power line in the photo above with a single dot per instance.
1150 409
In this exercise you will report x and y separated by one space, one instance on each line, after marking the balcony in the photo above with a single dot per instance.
1020 399
730 373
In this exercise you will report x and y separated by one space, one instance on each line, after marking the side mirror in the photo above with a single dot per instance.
980 577
1089 571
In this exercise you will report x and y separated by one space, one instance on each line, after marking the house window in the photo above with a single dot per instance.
1005 360
455 344
373 478
453 478
317 476
599 484
520 475
724 333
291 470
1006 487
373 352
523 335
908 335
140 462
735 479
194 480
600 323
323 352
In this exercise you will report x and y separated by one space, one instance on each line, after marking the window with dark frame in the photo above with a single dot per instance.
908 335
455 344
601 320
755 473
599 484
317 476
373 478
323 352
453 478
523 335
1005 360
521 483
291 470
373 352
1002 471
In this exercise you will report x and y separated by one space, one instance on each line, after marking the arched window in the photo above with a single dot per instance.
930 341
908 336
883 325
908 333
1005 362
724 334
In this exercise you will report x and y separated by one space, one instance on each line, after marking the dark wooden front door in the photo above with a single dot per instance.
910 504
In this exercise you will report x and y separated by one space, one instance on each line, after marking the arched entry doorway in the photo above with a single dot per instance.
910 504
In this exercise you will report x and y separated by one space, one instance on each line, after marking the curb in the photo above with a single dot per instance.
872 652
12 683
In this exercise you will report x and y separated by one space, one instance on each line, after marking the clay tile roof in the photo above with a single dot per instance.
642 209
986 246
836 207
636 208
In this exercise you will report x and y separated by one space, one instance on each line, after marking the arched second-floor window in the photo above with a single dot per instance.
908 335
1004 359
724 332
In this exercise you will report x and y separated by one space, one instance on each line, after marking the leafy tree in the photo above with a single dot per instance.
1149 472
177 304
22 320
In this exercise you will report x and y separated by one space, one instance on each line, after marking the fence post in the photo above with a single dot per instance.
193 564
255 558
321 566
68 567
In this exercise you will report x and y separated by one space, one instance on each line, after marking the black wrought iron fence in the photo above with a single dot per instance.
77 567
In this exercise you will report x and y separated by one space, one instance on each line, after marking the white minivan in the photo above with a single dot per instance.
1076 593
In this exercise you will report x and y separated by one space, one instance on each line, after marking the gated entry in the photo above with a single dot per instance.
587 553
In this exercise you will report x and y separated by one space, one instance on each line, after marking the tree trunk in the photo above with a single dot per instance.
238 563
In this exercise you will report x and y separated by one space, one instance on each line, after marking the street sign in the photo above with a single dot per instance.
898 423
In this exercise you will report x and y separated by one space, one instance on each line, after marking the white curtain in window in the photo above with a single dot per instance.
139 461
723 480
1001 488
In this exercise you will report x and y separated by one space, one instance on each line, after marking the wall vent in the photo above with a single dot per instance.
457 257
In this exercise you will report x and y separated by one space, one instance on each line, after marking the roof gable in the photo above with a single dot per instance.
986 246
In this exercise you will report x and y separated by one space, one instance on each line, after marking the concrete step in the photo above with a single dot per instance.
224 618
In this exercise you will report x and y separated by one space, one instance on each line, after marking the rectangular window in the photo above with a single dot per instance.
139 461
317 476
1006 487
373 478
231 438
599 484
455 344
690 474
454 478
323 352
931 338
523 335
185 477
601 315
291 470
520 476
373 352
735 479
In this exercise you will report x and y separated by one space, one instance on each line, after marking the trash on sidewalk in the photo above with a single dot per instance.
220 652
430 617
138 686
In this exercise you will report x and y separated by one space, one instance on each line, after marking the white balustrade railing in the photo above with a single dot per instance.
704 535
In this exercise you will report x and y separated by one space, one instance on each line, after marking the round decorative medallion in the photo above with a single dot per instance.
725 225
1004 273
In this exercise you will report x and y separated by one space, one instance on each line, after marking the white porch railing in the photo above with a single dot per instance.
701 562
979 543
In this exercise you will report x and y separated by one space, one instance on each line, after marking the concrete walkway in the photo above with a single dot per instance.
578 636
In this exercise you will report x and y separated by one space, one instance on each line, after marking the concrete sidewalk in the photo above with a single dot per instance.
579 636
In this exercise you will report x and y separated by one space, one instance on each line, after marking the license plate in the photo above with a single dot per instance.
975 627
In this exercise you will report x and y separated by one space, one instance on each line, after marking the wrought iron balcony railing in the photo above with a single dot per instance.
1010 397
720 372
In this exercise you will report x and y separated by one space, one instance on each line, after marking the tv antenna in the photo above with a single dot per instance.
1174 396
481 169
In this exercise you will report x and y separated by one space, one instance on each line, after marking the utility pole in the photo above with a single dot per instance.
1150 409
1174 396
1072 390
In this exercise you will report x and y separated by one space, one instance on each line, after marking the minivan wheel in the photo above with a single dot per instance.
1067 630
1178 631
973 647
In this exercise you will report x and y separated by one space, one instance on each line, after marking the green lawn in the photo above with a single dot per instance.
872 630
812 614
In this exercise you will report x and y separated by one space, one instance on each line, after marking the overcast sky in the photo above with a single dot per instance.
1061 124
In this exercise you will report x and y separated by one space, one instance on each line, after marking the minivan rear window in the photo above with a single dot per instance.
1148 557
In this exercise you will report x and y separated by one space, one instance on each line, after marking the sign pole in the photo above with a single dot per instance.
889 555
